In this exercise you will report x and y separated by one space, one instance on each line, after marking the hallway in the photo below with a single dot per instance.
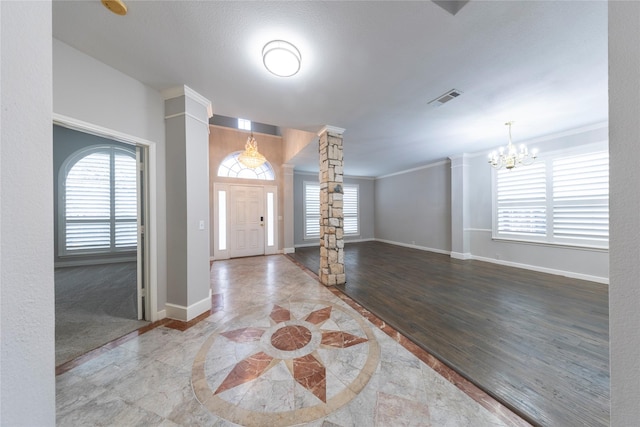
278 349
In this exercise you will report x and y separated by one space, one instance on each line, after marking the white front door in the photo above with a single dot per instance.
246 221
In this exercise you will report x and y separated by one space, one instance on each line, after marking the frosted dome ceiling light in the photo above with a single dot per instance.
281 58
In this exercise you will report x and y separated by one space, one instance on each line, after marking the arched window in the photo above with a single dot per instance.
231 167
98 204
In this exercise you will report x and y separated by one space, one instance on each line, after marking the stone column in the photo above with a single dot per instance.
331 216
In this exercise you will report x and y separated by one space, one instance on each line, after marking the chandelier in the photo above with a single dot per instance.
511 156
250 157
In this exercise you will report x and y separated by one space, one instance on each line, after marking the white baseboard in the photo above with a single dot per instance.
179 312
407 245
460 255
307 245
289 250
161 314
557 272
359 240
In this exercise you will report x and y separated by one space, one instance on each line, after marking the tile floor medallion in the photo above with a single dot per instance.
286 363
277 349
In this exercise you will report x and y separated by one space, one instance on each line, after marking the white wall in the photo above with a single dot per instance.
90 91
414 208
590 264
27 385
624 150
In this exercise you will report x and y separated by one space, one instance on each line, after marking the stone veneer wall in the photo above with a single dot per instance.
331 216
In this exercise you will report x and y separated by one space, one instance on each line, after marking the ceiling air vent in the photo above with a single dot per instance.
443 99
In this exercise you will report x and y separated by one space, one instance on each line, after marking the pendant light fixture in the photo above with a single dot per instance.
251 157
511 156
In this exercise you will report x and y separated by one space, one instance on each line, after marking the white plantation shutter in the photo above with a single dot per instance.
88 203
125 201
521 200
311 210
100 202
581 198
350 209
563 199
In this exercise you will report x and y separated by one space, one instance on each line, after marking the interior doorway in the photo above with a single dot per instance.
100 211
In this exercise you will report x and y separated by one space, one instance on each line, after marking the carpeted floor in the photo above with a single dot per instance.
94 305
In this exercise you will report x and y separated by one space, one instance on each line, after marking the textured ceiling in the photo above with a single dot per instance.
368 67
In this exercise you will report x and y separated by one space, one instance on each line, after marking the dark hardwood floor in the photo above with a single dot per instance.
537 342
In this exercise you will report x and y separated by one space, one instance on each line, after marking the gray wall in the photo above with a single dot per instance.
366 208
65 143
624 150
591 264
414 208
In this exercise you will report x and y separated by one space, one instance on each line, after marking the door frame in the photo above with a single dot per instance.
150 256
225 253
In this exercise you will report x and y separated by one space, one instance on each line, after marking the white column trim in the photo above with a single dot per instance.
334 130
185 314
184 90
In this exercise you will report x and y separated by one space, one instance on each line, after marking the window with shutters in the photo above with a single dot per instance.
350 210
98 202
581 199
562 199
521 195
312 210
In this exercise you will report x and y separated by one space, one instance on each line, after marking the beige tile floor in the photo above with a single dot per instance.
279 350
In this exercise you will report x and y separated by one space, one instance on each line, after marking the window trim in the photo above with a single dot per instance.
65 168
548 239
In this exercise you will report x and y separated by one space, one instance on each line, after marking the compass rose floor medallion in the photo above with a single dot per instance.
286 363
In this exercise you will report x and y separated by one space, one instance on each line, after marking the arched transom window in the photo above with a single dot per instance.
231 167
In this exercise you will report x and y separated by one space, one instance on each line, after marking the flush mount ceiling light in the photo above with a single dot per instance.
281 58
510 157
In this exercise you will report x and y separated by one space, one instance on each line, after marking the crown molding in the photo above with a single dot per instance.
184 90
